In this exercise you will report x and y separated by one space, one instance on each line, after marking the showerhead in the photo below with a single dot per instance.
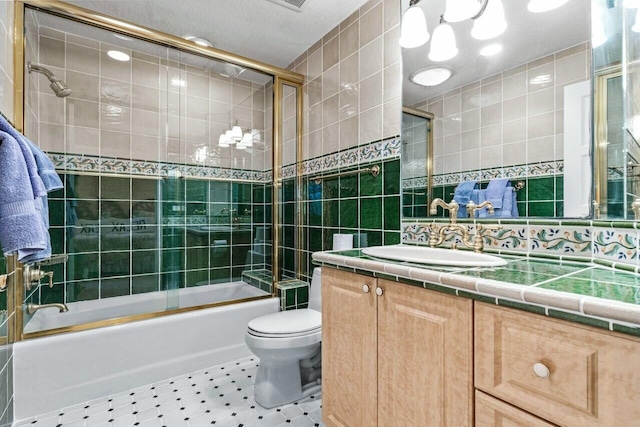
59 87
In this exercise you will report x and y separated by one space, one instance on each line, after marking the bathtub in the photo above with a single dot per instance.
65 369
130 305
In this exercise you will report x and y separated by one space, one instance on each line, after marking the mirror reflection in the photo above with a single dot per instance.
508 84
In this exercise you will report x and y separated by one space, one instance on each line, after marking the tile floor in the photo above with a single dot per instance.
220 396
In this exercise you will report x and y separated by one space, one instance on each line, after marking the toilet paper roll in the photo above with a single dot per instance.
219 247
342 242
360 240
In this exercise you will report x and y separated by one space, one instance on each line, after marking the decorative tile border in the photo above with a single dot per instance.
517 171
419 182
380 150
102 165
615 244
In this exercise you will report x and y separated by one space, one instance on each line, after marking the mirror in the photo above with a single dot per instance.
616 32
503 111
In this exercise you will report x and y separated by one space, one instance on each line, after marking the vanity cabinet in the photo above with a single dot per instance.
565 373
394 354
491 412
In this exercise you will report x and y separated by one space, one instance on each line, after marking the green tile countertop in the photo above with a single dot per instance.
580 292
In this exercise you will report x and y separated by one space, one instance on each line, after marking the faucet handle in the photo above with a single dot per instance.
472 207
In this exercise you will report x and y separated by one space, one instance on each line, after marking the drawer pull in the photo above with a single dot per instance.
365 289
541 370
379 291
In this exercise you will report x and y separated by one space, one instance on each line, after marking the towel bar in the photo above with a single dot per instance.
374 171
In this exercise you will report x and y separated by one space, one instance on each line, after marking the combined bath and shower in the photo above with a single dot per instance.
59 87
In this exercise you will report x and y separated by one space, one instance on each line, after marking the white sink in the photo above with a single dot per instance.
434 256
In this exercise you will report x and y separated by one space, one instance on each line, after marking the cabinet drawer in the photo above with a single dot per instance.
593 376
491 412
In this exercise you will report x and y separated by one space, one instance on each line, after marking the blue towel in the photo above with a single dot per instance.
46 170
21 226
462 195
495 191
37 185
509 207
479 196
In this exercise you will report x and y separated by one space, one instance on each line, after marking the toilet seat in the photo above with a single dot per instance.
286 324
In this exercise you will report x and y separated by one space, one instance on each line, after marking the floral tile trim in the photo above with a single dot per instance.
420 182
516 171
560 239
380 150
620 244
70 163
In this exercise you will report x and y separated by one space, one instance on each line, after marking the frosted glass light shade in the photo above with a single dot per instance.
459 10
443 45
492 22
414 31
236 133
229 138
222 141
247 140
539 6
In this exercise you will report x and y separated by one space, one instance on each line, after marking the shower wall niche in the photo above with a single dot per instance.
151 202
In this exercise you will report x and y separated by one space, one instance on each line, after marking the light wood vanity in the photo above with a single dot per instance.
400 355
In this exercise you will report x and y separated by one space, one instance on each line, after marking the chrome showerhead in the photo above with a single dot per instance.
59 87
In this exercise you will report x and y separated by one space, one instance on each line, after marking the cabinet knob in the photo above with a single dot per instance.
379 291
541 370
365 289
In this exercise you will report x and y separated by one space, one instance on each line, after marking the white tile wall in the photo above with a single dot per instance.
353 81
514 117
148 108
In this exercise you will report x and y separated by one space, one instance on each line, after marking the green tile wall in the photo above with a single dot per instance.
540 197
353 204
134 235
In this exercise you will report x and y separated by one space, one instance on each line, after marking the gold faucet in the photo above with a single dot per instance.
32 308
472 208
438 234
451 207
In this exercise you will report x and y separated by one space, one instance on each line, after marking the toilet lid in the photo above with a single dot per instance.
292 322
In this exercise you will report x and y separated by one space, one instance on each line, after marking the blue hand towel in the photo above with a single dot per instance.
514 204
21 226
495 191
37 186
46 170
462 195
508 206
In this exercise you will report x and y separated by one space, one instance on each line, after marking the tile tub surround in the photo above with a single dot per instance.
609 243
580 292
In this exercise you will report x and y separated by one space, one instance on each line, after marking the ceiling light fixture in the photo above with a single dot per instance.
118 55
235 136
414 31
492 49
488 17
539 6
431 76
199 41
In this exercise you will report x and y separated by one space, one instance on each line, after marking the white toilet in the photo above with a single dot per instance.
288 345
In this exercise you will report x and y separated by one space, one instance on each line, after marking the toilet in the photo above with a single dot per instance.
288 345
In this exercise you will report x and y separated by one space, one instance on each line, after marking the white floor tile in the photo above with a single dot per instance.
223 394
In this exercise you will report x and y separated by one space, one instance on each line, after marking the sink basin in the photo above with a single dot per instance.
434 256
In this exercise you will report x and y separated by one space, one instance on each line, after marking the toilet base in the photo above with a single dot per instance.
280 383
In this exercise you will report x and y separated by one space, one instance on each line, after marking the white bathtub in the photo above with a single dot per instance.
129 305
61 370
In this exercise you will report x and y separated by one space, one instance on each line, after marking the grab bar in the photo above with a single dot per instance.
374 171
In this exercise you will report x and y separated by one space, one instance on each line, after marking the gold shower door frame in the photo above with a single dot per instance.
88 17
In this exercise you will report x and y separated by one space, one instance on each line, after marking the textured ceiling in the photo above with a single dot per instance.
528 36
258 29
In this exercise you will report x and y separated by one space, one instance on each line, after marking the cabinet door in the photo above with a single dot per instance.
349 383
569 374
424 358
492 412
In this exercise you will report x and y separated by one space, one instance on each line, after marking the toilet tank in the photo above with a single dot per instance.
315 290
